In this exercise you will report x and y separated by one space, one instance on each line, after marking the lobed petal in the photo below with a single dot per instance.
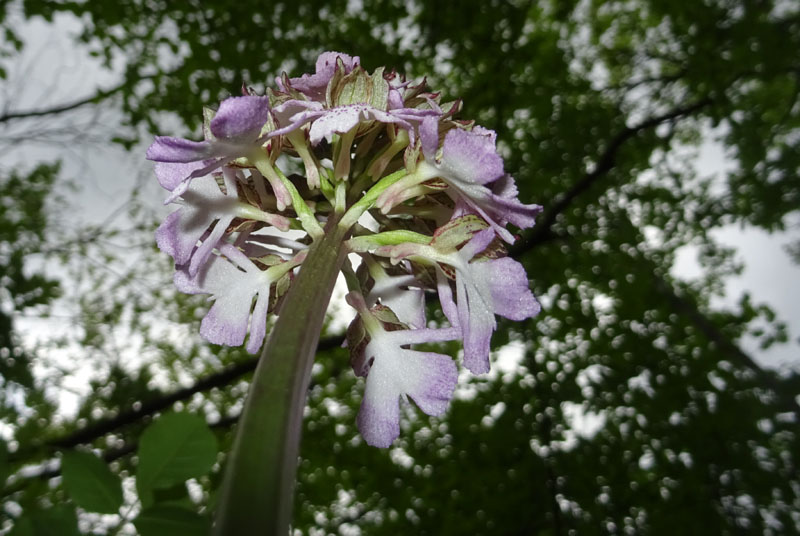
241 119
258 324
344 118
476 316
428 378
171 174
175 242
314 85
470 157
508 284
169 149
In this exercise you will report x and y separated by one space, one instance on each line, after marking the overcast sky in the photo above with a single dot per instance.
54 72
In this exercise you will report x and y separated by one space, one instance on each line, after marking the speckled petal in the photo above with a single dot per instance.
169 149
477 323
470 157
313 85
171 174
428 378
258 324
508 283
343 118
240 118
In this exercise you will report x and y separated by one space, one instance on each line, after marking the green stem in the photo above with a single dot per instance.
258 488
363 204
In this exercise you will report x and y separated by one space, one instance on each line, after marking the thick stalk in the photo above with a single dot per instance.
258 488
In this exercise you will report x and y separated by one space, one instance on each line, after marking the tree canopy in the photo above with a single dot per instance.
600 108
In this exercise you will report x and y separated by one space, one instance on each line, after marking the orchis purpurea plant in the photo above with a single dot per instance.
270 205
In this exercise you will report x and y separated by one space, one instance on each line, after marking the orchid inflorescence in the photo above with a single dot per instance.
425 199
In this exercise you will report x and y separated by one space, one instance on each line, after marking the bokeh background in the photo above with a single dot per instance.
657 393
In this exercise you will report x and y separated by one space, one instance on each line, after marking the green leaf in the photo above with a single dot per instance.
90 483
56 521
176 447
171 521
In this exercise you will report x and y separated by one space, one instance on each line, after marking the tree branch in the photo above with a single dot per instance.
543 229
687 306
99 428
97 97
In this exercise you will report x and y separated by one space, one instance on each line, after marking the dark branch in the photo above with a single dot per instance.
108 456
97 97
99 428
543 230
687 306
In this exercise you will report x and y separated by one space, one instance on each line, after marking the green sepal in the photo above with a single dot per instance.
208 116
361 244
457 232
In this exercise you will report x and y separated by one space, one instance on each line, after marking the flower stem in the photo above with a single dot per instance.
258 487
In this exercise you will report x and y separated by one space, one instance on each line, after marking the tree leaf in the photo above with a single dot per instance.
171 521
90 483
56 521
176 447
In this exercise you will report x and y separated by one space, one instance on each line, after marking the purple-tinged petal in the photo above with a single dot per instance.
395 99
297 120
314 85
478 243
171 174
293 111
470 157
204 250
169 149
183 187
508 283
203 204
240 118
233 291
446 297
429 136
258 324
344 118
233 281
173 241
428 378
477 323
379 416
408 303
505 207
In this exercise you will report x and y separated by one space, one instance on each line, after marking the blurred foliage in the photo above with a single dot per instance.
631 410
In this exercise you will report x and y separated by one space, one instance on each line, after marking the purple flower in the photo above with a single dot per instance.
342 119
234 281
401 294
394 372
203 204
314 85
468 163
236 130
484 288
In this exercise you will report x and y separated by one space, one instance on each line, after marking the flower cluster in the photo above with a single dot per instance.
424 197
